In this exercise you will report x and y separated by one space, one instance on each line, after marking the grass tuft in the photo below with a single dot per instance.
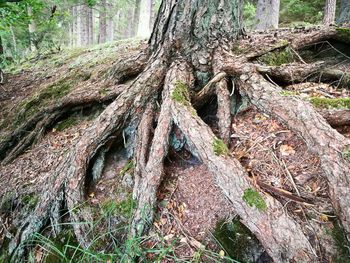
220 148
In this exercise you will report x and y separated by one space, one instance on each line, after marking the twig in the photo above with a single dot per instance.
299 57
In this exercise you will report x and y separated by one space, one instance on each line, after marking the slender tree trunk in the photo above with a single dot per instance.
14 41
136 17
267 14
143 29
344 15
329 12
31 29
102 22
90 26
153 14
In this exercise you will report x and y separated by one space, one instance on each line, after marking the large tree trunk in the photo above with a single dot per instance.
329 12
344 14
267 14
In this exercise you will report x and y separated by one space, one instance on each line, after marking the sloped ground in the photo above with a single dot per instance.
190 203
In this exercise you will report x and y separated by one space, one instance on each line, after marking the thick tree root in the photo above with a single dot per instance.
20 139
280 235
143 139
127 68
69 176
336 118
320 137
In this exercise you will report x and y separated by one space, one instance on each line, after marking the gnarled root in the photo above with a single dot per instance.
69 176
319 136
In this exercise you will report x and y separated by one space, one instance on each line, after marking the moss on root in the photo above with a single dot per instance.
220 148
65 124
181 93
253 198
326 103
50 94
278 58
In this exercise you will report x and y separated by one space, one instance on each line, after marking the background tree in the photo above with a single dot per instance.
329 12
344 12
267 14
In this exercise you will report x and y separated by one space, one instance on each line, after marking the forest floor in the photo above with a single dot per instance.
194 222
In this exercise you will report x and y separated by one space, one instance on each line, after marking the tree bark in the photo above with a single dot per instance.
267 14
102 37
32 29
329 12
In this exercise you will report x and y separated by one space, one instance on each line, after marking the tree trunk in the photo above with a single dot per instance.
90 26
32 30
143 29
344 15
102 22
267 14
329 12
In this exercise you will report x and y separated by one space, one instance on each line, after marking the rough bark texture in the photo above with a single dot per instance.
267 14
326 142
102 37
329 12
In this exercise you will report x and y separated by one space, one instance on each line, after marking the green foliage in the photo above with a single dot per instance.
249 11
301 12
327 103
180 93
253 198
220 148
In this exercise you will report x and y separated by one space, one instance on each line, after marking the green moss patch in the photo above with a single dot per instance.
341 243
288 93
277 58
220 148
180 93
253 198
326 103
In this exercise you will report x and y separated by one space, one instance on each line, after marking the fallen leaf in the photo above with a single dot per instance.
287 150
222 253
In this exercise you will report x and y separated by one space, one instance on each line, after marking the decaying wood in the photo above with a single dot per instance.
320 137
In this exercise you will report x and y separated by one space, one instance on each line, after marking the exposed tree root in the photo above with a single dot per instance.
127 68
224 111
336 118
23 136
143 139
69 176
320 137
